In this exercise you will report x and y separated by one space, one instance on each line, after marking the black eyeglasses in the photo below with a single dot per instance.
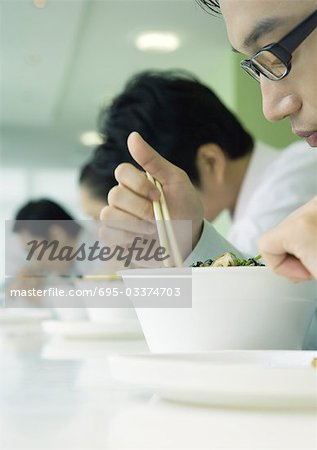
274 60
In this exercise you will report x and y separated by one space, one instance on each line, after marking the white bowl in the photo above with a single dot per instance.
100 306
245 308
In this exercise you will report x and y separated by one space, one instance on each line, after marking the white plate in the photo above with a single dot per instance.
23 315
95 349
226 378
92 330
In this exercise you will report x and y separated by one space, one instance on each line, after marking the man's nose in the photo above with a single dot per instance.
278 101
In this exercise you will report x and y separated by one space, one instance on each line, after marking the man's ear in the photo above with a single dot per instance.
211 160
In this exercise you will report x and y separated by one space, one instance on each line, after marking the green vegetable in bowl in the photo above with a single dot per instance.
229 259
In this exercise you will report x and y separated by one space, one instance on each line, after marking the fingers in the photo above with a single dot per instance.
122 198
283 254
132 199
151 161
129 176
290 267
113 237
117 219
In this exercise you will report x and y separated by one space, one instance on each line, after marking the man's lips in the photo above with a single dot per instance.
310 136
304 134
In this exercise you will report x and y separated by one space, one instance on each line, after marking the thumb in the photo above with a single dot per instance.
150 160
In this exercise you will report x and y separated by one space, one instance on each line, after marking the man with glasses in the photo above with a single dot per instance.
281 36
282 44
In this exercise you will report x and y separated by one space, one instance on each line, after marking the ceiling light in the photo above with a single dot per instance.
39 3
157 41
90 138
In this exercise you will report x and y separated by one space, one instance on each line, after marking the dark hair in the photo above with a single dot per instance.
38 216
210 5
98 184
174 113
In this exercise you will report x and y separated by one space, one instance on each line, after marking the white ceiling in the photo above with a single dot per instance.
59 64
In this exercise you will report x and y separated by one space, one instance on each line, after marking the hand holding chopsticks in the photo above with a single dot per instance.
165 227
131 198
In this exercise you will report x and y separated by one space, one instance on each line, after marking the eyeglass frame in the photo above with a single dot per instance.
282 49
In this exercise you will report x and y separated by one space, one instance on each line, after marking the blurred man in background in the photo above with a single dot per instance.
45 220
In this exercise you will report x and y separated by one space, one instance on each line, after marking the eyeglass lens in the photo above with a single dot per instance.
269 65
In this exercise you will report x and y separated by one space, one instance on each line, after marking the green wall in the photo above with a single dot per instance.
221 80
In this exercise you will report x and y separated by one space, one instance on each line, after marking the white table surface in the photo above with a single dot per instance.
58 396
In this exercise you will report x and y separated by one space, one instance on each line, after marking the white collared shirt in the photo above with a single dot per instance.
277 182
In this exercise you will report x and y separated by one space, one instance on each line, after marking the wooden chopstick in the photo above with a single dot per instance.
169 228
163 238
164 226
110 277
